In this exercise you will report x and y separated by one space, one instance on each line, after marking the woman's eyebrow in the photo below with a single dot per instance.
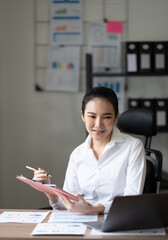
107 113
90 113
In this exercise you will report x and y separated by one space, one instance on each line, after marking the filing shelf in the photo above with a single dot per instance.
90 74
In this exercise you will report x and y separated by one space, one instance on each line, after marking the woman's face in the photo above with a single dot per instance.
99 118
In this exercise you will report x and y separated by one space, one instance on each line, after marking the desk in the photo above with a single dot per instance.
20 231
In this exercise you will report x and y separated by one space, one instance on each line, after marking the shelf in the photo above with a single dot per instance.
109 74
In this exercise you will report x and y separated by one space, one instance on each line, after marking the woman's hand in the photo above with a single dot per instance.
81 206
41 175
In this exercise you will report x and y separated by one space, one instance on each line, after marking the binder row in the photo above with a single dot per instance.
158 106
147 57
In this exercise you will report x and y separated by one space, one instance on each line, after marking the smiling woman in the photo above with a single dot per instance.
108 164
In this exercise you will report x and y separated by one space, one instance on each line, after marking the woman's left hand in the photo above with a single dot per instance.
81 206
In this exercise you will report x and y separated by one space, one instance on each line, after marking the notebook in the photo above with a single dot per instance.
135 212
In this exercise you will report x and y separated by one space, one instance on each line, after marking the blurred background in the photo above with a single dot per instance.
41 128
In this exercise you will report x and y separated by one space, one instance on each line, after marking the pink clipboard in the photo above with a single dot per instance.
50 189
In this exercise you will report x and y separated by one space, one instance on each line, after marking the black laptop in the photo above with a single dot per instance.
135 212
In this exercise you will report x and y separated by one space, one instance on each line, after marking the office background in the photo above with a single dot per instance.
41 129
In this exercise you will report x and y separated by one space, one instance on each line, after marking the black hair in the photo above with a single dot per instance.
100 92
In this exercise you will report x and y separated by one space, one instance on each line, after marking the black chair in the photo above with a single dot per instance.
142 122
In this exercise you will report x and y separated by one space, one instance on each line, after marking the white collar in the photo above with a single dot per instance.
116 137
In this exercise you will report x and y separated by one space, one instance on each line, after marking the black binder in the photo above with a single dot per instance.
159 52
148 103
134 103
145 56
132 57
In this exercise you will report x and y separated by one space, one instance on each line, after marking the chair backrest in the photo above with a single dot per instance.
140 122
143 122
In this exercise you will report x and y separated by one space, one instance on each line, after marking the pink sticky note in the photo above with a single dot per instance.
114 27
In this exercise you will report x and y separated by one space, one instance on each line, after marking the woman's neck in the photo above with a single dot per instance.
98 147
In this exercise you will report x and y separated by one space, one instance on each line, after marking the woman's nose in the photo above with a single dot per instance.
98 122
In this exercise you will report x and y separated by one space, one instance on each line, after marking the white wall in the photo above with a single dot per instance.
37 129
147 21
41 129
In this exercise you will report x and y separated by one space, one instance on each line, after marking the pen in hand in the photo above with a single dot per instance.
33 169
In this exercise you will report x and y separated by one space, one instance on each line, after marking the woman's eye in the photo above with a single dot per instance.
108 117
91 116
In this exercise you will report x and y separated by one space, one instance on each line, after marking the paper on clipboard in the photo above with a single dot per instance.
47 188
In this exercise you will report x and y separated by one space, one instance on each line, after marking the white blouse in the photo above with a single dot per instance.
119 171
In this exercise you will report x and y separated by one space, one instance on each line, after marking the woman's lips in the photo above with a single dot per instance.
98 132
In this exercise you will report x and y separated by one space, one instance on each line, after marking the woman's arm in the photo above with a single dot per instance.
136 170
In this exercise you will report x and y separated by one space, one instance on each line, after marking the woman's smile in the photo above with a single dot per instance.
98 132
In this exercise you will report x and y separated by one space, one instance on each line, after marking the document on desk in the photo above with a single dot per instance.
153 232
68 217
59 229
23 217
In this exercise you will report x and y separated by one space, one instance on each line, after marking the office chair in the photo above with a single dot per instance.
142 122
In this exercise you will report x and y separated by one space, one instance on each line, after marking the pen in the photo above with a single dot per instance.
33 169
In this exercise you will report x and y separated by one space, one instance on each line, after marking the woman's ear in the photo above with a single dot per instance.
117 117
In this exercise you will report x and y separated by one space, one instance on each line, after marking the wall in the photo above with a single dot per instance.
37 129
147 21
41 129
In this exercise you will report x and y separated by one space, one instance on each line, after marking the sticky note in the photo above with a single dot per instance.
114 27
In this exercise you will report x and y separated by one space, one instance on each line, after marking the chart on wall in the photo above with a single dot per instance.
105 45
66 22
117 84
63 69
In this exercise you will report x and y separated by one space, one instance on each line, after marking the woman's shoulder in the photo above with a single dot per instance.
130 139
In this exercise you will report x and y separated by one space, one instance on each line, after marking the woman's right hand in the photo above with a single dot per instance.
41 175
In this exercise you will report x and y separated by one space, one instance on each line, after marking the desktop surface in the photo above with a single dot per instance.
22 231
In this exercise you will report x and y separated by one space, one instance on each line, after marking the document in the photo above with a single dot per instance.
63 68
59 229
156 231
66 22
47 188
104 46
68 217
23 217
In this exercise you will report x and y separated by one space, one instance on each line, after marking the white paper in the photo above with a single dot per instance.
156 231
161 118
23 217
105 47
63 69
145 61
59 229
131 63
68 217
66 22
159 61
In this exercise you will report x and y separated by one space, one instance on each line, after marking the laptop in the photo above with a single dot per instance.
135 212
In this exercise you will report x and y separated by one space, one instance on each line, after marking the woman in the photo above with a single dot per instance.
108 164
